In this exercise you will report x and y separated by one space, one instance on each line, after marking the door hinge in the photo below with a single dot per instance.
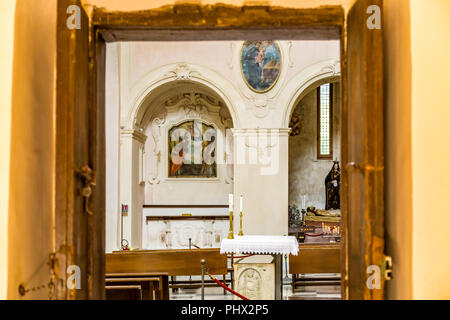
386 269
88 176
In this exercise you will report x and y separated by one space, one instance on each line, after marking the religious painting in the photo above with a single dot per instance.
192 150
260 64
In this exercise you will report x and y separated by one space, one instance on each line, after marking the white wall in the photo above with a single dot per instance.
112 133
430 42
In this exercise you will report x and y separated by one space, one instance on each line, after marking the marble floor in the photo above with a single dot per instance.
305 293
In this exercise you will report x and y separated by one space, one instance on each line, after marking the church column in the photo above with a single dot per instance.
261 176
131 189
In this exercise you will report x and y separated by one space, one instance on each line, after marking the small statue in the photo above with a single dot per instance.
332 188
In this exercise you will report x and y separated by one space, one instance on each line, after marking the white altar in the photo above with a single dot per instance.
171 227
277 246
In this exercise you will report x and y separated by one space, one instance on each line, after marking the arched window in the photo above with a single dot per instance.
325 122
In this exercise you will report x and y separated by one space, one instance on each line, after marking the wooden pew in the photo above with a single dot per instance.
155 286
176 262
315 258
124 292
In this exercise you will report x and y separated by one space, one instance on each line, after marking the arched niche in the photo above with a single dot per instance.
159 81
307 172
170 105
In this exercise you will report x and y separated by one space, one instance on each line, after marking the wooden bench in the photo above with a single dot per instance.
314 258
155 286
175 262
123 292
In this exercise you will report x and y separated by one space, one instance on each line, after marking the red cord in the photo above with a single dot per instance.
228 289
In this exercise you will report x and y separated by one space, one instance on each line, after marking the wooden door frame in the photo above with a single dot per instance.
174 22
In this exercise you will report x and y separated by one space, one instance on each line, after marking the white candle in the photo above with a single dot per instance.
304 202
241 204
230 202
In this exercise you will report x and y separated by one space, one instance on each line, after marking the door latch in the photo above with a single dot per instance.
88 176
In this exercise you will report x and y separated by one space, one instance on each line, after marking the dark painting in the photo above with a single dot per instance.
192 150
260 64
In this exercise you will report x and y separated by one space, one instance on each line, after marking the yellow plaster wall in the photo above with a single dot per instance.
430 41
7 9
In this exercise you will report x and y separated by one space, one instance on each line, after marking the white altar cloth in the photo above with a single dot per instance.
260 245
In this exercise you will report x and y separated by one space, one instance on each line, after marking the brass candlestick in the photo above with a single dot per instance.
230 234
240 228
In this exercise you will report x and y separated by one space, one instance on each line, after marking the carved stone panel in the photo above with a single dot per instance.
254 277
175 234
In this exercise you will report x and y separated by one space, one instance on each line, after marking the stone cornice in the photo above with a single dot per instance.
261 131
134 134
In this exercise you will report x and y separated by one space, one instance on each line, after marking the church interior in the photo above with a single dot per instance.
156 89
229 167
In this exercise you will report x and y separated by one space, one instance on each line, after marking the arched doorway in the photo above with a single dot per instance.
314 188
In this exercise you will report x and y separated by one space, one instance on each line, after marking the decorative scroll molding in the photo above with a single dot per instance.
334 68
226 122
259 104
230 63
194 105
156 126
291 61
182 72
141 164
154 180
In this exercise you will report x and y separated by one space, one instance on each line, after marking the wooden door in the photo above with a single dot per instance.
363 154
79 181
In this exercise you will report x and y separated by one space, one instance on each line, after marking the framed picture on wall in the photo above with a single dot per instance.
260 64
192 150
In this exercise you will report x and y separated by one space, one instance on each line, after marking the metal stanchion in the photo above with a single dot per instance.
203 278
190 277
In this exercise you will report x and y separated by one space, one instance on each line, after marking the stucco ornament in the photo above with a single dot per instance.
157 124
182 72
334 67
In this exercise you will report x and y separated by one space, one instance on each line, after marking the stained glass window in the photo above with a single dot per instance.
324 121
